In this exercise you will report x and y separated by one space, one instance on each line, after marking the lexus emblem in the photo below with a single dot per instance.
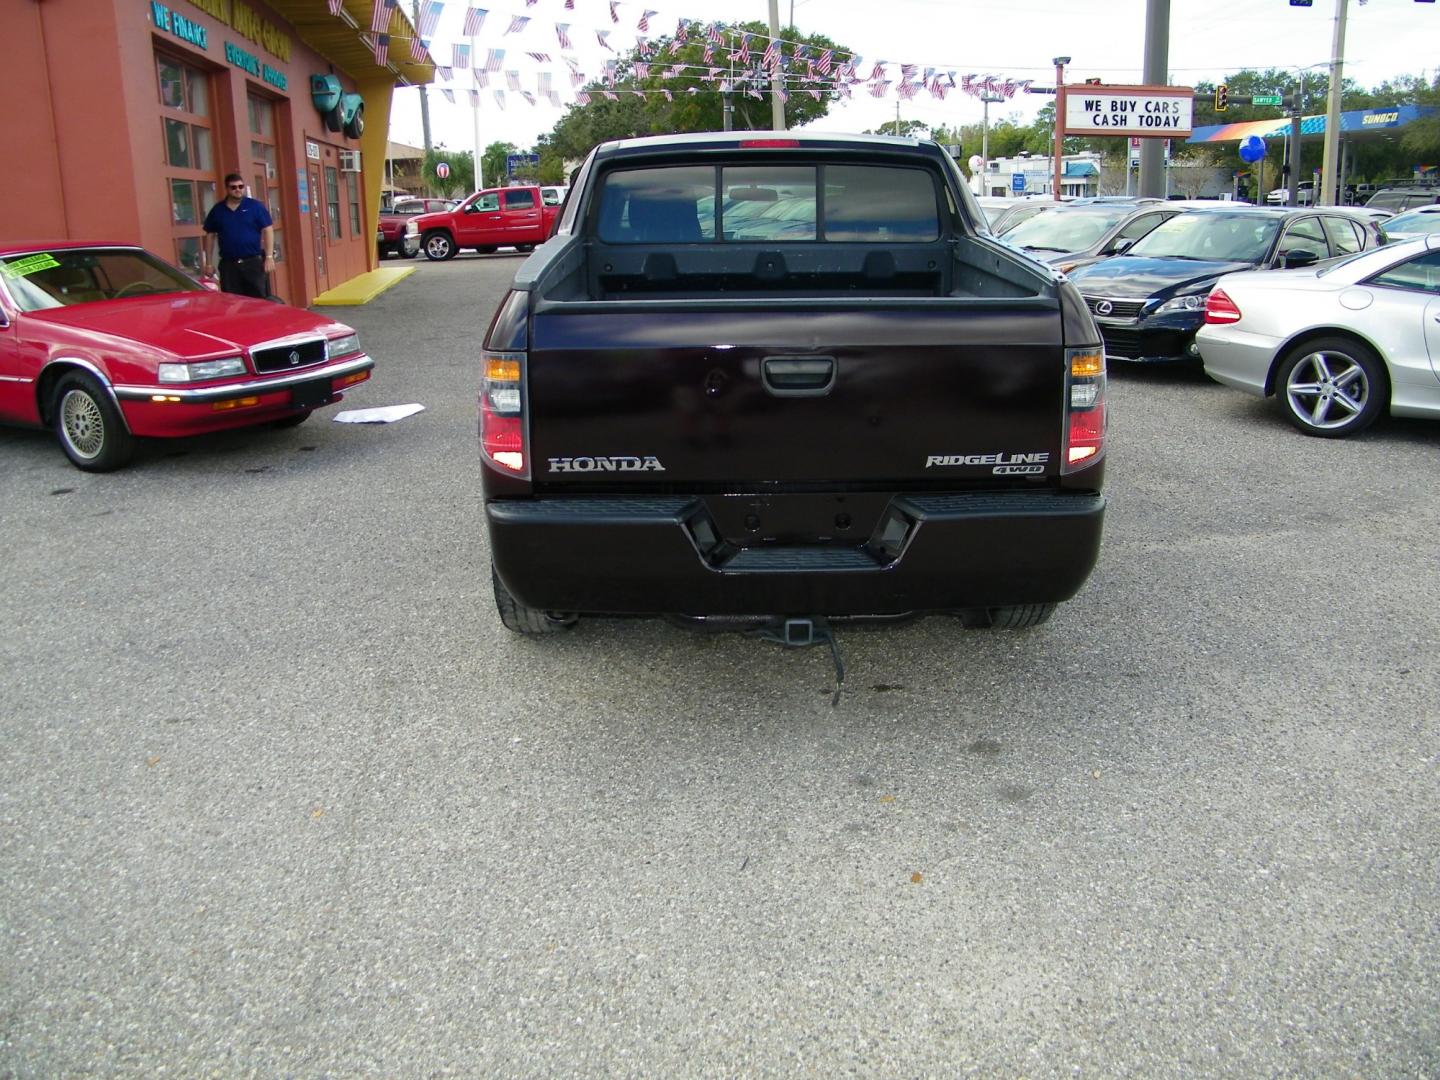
1104 307
295 356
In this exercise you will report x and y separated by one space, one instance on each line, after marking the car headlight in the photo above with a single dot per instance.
204 369
411 229
344 346
1182 303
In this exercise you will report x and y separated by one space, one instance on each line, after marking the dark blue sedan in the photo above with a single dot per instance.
1150 301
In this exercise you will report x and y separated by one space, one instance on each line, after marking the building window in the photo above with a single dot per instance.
352 192
187 139
332 200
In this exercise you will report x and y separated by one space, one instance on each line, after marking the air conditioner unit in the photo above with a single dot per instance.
349 160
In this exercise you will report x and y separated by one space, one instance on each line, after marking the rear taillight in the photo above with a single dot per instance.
1085 414
1219 308
502 412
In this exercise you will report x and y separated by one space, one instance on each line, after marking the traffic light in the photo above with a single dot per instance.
1222 97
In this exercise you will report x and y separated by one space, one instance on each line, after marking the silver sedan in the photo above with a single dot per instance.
1337 345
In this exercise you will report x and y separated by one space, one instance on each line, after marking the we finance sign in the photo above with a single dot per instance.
1159 112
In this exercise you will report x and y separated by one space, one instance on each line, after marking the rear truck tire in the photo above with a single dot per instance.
1332 387
293 420
524 248
1014 617
526 620
89 426
488 249
438 246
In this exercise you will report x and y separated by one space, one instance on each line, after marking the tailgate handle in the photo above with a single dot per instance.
798 376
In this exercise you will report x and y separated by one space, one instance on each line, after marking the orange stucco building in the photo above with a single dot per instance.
122 117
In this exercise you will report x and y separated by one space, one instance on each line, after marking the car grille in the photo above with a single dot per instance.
1119 309
1136 343
289 357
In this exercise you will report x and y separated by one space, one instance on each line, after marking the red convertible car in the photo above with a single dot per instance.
105 343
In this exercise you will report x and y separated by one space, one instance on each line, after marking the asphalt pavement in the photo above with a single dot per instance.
281 797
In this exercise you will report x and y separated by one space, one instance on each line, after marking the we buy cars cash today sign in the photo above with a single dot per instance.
1153 112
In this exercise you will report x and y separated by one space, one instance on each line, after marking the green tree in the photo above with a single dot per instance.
910 129
492 163
459 183
694 104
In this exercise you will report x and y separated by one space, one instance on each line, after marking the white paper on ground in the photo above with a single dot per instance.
383 415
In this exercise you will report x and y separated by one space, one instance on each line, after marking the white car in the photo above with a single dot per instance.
1418 222
1337 345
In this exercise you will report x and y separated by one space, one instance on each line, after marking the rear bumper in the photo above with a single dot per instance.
659 555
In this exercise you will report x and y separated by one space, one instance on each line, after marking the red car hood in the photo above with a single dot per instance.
191 324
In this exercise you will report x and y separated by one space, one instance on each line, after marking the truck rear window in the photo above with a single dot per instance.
768 204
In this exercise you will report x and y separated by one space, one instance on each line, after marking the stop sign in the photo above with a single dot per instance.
442 170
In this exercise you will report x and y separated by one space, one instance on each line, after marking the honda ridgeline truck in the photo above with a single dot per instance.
776 377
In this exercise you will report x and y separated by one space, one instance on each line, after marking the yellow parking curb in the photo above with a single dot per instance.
364 288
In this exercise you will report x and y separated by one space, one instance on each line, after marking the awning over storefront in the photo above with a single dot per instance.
1354 121
346 39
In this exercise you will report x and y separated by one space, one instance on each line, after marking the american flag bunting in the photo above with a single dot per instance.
562 32
517 24
474 20
460 57
429 16
380 12
382 49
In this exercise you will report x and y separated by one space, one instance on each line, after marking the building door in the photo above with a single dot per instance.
265 181
318 225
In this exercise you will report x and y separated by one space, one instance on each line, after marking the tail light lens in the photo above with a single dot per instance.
502 412
1086 420
1219 308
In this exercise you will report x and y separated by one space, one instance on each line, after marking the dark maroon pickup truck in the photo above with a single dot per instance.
777 380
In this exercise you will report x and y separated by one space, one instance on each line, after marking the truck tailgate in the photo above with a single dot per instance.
747 395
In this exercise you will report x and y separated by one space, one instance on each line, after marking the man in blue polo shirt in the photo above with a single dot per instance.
246 236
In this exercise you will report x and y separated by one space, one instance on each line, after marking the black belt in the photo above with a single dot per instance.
240 258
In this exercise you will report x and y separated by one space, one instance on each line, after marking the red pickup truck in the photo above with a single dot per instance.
515 217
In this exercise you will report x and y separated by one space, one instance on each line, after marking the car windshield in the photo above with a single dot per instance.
1414 223
1216 237
1065 230
67 276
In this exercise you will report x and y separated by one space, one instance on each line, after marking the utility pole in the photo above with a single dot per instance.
424 101
1330 162
1157 73
1292 184
1060 62
777 81
986 100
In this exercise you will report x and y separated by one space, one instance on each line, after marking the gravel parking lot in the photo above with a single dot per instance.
282 798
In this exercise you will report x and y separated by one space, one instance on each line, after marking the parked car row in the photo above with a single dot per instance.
1334 311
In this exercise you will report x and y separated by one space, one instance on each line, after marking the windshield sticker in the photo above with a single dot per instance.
31 264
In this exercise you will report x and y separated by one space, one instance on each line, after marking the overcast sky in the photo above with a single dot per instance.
1014 39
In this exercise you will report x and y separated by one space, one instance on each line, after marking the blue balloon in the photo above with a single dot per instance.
1252 149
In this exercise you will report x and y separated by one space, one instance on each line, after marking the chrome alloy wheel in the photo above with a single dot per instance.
1327 388
82 423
